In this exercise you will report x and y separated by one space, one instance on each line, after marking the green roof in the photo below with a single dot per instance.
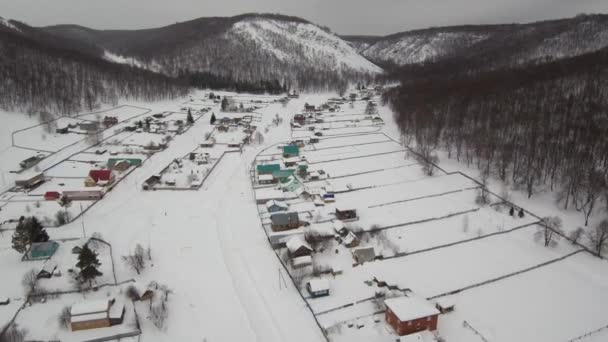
291 149
280 174
43 250
268 168
132 161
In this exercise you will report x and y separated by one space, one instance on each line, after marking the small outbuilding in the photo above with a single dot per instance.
43 250
95 314
301 262
274 206
409 315
83 195
29 179
47 270
318 287
297 247
346 213
99 178
291 151
52 195
364 254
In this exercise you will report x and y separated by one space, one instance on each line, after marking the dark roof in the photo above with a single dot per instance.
284 218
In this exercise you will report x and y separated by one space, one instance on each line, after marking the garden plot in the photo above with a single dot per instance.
383 177
343 117
486 220
46 211
188 172
319 156
47 317
70 169
440 271
122 113
61 184
12 156
144 139
572 293
351 140
44 138
347 167
102 159
235 135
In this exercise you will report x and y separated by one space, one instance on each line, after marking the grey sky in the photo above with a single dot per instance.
372 17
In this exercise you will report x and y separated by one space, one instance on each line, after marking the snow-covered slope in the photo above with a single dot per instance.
7 24
301 42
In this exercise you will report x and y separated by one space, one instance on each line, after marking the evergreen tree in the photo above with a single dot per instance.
212 121
28 231
224 104
88 264
190 119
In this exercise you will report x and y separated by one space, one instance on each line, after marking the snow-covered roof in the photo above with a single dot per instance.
314 173
25 176
445 302
410 308
90 306
295 242
89 317
277 203
265 177
49 266
291 160
338 225
268 194
318 284
302 261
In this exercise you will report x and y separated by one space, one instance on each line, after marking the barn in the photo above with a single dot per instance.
47 270
409 315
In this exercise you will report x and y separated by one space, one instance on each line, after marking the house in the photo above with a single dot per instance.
52 196
264 195
266 179
282 175
95 314
202 158
267 169
364 254
208 143
110 121
309 108
47 270
300 119
222 128
62 130
410 315
302 168
346 214
43 250
318 287
121 166
339 227
291 151
292 185
99 178
31 161
302 261
29 179
297 247
151 182
284 221
274 206
111 164
350 240
83 195
291 161
89 126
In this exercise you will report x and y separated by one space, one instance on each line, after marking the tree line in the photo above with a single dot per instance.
536 126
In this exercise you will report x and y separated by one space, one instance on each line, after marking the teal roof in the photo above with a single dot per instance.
293 185
280 174
43 249
268 168
132 161
291 149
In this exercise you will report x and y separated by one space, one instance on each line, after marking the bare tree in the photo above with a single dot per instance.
30 282
598 237
136 260
12 333
549 231
65 318
576 235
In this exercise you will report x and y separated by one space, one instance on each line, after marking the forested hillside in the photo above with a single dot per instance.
537 126
40 73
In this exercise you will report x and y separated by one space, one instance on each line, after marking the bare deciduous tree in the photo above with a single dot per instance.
549 231
598 237
136 260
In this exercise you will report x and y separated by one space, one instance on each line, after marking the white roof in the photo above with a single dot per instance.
318 284
302 261
49 266
89 317
314 173
291 160
265 177
268 194
90 306
338 225
25 176
410 308
295 242
445 302
277 203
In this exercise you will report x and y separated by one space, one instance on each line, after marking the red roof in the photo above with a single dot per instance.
100 175
52 195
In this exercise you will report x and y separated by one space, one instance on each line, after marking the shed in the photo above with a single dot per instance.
318 287
266 179
83 195
52 195
284 221
43 250
274 206
291 161
5 301
282 175
346 213
445 304
90 314
132 162
297 247
364 254
302 261
350 240
151 182
29 179
47 270
31 161
409 315
208 143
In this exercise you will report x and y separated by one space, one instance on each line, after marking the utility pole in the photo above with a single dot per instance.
84 233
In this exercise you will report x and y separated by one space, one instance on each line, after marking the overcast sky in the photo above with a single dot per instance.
371 17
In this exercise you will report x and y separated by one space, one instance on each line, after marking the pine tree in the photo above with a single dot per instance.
28 231
224 104
190 119
88 264
212 121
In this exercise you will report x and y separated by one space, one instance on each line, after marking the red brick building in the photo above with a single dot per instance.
409 315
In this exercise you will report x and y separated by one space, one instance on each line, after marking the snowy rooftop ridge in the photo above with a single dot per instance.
410 308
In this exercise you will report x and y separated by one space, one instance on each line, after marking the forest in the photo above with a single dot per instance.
538 126
41 77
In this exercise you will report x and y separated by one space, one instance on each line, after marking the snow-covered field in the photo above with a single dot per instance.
209 247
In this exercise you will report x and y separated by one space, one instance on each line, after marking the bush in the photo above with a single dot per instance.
64 318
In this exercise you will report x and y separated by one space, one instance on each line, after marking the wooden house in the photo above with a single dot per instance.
42 250
318 287
284 221
267 169
291 151
297 247
346 214
410 314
